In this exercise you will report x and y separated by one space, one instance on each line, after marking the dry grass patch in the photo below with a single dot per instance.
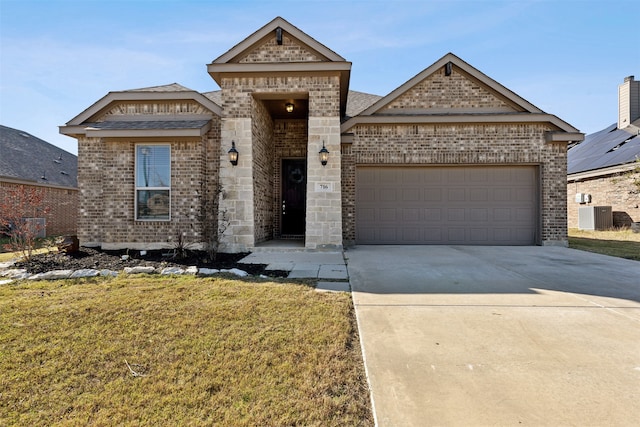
622 243
179 351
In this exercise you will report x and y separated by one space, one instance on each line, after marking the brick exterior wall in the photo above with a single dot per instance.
460 144
288 51
106 177
62 203
90 185
262 135
208 193
438 91
617 191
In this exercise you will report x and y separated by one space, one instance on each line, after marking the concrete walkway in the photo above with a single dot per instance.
465 336
329 267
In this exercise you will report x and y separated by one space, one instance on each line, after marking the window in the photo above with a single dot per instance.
153 182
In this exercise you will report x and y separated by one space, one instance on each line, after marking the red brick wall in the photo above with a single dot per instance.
63 204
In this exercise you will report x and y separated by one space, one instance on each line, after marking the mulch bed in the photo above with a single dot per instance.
90 258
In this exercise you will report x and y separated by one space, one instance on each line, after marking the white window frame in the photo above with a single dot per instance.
138 188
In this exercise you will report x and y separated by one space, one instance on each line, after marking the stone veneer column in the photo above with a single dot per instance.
324 199
236 196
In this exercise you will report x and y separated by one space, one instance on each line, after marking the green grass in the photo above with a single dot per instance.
622 243
200 351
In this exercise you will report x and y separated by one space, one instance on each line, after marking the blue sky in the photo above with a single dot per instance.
59 57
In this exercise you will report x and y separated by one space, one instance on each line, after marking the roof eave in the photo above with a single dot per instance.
611 170
22 181
112 97
92 132
565 128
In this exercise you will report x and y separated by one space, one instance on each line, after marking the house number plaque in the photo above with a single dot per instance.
324 187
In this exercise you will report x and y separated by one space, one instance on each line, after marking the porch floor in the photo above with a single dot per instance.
280 245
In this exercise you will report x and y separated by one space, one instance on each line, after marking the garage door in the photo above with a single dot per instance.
478 205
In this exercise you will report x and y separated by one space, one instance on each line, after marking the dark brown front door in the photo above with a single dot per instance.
294 195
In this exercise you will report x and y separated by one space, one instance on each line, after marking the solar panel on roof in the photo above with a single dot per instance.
608 147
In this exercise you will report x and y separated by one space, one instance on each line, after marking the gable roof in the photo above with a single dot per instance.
603 149
246 45
323 60
515 108
86 121
25 157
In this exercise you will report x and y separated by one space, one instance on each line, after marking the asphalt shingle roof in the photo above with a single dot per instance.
608 147
148 124
173 87
26 157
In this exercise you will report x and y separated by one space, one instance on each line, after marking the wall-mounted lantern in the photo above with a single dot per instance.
233 154
324 155
289 107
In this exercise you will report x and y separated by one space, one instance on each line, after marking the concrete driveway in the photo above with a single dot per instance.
460 335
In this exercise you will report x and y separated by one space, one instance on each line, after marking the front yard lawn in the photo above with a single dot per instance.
623 243
153 350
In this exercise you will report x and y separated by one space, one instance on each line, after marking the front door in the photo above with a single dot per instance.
294 197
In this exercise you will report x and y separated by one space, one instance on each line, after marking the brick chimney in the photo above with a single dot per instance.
628 102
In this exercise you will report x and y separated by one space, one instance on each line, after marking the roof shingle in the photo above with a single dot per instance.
26 157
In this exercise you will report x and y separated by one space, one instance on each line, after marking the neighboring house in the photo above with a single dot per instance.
449 157
604 169
30 161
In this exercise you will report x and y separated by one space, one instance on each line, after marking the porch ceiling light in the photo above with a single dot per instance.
289 107
233 154
324 155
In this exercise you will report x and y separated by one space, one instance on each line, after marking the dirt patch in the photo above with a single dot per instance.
89 258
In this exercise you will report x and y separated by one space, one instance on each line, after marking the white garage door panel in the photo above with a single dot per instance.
478 205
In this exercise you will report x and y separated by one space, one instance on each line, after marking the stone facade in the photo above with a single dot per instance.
257 175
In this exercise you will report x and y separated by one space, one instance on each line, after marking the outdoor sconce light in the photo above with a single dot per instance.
324 155
289 107
233 154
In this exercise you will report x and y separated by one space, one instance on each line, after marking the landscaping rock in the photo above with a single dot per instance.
172 270
16 274
105 273
92 258
236 271
85 272
52 275
7 264
139 270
